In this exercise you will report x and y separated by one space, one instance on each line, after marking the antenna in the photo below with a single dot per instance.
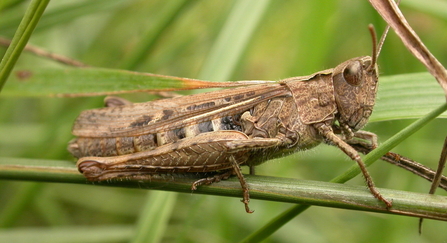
377 47
382 40
375 53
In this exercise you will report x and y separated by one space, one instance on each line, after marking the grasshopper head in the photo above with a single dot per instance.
355 86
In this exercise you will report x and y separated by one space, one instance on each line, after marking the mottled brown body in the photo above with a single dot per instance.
219 131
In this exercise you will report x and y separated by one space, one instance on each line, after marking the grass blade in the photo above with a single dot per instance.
233 39
155 216
23 33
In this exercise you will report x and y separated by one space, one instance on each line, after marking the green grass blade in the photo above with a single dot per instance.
154 219
64 14
400 96
276 223
40 170
146 45
23 33
233 39
73 82
406 96
261 187
18 203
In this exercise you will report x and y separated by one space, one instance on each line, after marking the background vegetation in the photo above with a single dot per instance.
289 38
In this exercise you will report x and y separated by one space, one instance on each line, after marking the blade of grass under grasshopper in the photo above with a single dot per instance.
23 33
370 158
261 187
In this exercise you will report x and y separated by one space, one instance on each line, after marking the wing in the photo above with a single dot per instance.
168 114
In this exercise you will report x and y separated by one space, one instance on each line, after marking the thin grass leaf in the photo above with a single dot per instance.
63 14
18 203
233 39
23 33
153 220
400 96
261 187
52 211
40 170
146 45
74 82
406 96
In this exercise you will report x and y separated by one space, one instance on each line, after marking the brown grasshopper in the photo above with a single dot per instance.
222 130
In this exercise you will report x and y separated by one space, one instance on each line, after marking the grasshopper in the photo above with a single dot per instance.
220 131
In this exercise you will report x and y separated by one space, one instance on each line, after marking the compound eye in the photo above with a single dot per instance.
353 73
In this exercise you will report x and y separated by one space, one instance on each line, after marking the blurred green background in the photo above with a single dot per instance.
290 38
